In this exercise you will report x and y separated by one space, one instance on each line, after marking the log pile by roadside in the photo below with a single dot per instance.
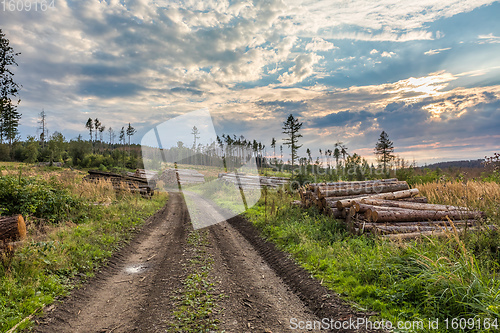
173 177
388 208
253 181
120 182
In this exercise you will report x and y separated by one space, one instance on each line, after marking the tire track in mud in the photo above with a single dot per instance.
323 302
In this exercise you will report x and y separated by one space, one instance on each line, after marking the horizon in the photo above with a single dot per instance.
427 74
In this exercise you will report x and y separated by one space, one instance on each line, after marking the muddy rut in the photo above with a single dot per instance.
263 288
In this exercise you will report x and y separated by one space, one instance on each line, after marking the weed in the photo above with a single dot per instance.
197 303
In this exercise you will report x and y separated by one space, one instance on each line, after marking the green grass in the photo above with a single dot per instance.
49 264
197 301
410 281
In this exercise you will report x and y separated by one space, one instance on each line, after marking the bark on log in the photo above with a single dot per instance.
372 189
333 212
415 199
341 204
414 235
354 182
425 223
395 229
410 205
362 207
412 215
12 228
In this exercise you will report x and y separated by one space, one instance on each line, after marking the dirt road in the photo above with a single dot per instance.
251 286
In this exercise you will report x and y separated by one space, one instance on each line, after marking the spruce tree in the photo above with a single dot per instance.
291 127
9 90
384 149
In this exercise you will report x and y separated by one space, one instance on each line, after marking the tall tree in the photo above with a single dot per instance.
9 116
111 136
90 126
130 131
122 136
384 150
43 128
11 122
291 128
195 133
97 125
273 145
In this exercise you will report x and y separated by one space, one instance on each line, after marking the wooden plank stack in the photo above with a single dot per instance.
120 182
253 181
388 208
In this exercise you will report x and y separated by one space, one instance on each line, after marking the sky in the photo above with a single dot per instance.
426 72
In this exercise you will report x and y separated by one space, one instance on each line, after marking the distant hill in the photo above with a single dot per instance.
456 164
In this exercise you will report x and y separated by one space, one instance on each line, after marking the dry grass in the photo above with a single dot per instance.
483 196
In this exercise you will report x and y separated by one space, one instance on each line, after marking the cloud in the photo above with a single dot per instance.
319 44
436 51
302 69
374 51
386 54
489 38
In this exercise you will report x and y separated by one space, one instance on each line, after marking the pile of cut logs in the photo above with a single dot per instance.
135 183
181 176
388 208
253 181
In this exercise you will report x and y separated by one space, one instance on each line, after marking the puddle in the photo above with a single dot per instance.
136 268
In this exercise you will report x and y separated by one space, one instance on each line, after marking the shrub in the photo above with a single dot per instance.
36 197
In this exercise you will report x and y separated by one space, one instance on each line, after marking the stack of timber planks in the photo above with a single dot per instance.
253 181
120 182
388 208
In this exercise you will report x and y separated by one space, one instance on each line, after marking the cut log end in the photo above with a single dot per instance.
12 229
21 227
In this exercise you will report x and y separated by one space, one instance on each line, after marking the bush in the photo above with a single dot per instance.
36 197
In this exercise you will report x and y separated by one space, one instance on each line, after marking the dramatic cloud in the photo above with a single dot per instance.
347 67
302 69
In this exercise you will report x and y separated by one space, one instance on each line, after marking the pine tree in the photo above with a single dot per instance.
9 116
130 131
291 128
384 150
90 126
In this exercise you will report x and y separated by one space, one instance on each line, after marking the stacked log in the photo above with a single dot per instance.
253 181
120 182
387 207
188 176
173 177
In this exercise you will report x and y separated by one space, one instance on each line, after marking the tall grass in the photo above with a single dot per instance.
431 278
484 196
